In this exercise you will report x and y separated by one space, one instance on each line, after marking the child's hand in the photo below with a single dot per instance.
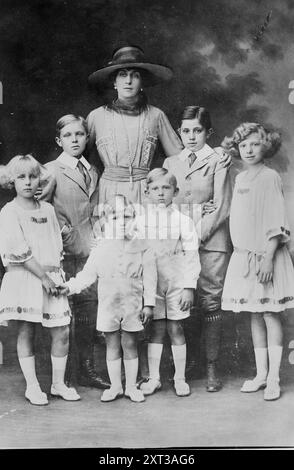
266 270
187 299
49 286
208 207
62 289
146 315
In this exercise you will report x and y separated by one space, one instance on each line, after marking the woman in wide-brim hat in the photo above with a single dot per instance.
127 130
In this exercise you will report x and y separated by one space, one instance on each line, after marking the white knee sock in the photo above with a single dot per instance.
154 358
131 372
27 365
261 363
275 357
114 372
58 369
179 355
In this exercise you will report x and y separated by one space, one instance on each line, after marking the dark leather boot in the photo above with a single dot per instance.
213 382
88 377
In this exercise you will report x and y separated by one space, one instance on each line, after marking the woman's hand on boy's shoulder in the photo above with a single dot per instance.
225 158
146 315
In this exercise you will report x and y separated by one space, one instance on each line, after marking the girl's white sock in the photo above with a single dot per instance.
275 357
131 372
114 372
154 358
27 365
58 369
261 363
179 355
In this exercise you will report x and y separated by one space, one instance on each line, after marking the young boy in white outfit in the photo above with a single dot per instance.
174 240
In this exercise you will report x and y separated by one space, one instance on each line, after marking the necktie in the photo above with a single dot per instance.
84 172
192 157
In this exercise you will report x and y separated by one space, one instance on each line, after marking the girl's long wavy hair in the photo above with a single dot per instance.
271 140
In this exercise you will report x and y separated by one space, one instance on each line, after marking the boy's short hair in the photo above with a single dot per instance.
110 206
68 119
199 112
157 173
270 139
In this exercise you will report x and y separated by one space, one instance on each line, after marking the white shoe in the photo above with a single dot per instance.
253 385
182 388
35 395
111 394
62 391
150 387
134 394
272 390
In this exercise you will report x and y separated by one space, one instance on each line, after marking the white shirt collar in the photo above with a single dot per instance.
200 154
72 162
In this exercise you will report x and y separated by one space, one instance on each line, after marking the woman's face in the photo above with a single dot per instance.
252 149
128 83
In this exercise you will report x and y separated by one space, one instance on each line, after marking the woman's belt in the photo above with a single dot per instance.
122 173
20 267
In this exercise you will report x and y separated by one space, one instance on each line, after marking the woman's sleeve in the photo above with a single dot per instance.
274 214
13 244
86 277
169 139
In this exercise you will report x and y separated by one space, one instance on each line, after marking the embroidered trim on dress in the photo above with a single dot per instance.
18 258
243 190
39 220
54 316
19 310
264 300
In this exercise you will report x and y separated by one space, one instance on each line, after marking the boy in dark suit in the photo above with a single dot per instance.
73 191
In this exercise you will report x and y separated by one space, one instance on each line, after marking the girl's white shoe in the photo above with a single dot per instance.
35 395
134 394
272 390
253 385
67 393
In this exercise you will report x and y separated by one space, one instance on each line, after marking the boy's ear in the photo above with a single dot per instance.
146 191
209 132
58 141
176 191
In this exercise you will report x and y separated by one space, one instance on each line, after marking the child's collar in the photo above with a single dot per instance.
200 154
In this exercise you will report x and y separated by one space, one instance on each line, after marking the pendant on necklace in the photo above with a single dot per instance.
131 176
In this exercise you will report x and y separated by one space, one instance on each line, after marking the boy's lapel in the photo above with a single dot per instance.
94 179
199 163
75 176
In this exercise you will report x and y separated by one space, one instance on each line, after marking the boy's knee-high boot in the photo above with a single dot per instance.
84 335
212 330
192 329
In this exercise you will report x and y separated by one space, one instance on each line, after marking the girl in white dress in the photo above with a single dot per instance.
260 276
31 249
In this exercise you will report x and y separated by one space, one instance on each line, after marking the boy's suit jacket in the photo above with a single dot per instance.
205 180
75 207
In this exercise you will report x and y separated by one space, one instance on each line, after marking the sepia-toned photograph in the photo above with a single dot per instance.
146 227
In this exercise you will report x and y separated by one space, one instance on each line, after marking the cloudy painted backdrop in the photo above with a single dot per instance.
233 56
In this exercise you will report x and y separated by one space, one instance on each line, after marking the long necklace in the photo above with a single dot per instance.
249 178
130 157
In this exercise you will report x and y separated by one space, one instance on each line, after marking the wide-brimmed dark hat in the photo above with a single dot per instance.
131 57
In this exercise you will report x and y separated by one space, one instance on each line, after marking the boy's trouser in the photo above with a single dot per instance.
84 311
208 302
